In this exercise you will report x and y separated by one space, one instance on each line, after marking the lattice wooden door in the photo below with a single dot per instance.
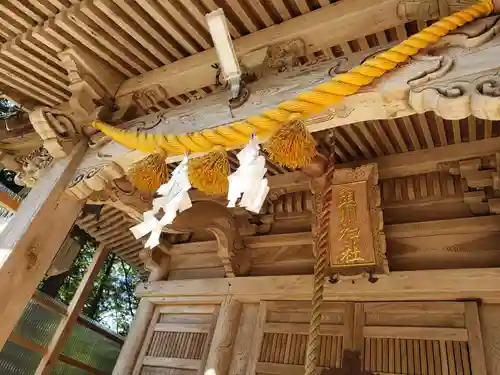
177 341
428 338
408 338
284 337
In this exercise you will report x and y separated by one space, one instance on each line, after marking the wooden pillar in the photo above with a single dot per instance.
257 337
130 350
157 261
219 356
247 327
49 360
33 236
476 347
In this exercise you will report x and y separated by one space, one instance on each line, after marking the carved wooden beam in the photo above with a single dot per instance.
333 25
90 81
457 78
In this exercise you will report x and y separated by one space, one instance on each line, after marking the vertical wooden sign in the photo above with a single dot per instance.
357 242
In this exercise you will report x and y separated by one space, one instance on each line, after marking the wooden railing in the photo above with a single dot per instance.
52 353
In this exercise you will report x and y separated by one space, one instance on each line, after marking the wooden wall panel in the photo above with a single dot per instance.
421 357
200 261
431 338
415 314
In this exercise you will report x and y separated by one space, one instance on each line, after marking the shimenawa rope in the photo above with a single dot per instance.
305 104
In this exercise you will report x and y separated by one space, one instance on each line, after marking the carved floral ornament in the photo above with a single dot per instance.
457 100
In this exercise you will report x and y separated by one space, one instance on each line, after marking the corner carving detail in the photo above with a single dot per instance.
33 167
58 130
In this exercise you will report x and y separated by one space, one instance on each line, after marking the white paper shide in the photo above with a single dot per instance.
248 182
174 198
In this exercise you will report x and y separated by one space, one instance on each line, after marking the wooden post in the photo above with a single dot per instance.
129 353
49 360
247 327
130 350
476 347
258 336
219 356
358 339
33 236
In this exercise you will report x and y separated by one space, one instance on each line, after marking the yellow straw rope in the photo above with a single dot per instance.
306 103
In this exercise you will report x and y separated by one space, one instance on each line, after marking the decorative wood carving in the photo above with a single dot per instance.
285 56
473 92
95 180
151 99
350 221
9 161
417 10
33 167
218 220
58 130
121 194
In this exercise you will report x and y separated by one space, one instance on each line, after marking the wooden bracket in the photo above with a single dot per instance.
218 220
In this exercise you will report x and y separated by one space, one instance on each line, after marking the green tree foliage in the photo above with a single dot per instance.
111 302
7 179
9 109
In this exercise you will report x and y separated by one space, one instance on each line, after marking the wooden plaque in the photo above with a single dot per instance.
355 230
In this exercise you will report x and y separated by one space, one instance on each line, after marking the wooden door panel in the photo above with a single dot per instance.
285 332
270 338
177 340
421 338
406 338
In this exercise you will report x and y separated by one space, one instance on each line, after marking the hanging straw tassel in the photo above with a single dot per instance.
292 146
209 173
150 173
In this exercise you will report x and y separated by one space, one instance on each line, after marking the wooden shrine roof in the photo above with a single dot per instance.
136 37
